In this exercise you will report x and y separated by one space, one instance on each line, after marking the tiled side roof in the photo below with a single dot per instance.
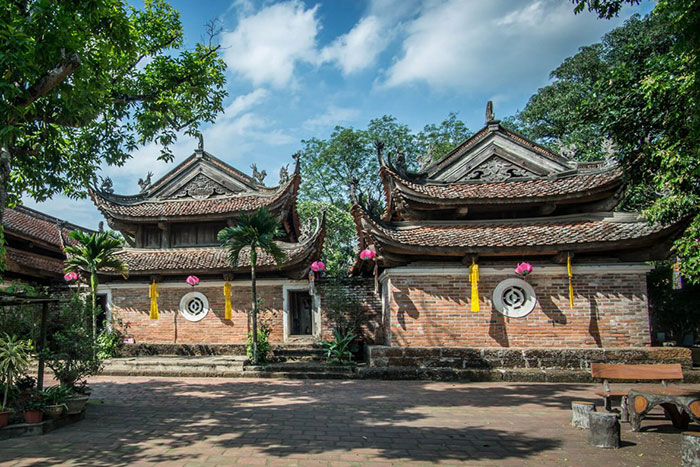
568 230
20 262
536 189
33 224
213 259
190 207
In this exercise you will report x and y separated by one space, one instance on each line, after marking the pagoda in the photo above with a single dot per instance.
445 250
171 228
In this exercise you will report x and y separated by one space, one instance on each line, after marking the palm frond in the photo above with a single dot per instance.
255 230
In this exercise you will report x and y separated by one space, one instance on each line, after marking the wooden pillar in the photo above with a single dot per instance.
690 449
604 430
42 344
579 413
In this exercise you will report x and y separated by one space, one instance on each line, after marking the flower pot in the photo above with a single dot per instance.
76 404
33 416
54 411
4 418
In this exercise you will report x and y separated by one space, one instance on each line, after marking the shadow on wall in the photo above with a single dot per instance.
161 420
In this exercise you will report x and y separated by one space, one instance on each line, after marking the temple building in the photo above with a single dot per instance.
171 229
445 251
34 246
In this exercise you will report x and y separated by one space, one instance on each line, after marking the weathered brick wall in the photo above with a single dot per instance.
500 358
132 305
362 289
610 310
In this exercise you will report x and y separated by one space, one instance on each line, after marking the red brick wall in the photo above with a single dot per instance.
610 310
132 305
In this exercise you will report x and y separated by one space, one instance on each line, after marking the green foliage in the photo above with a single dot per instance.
56 395
95 252
338 350
109 341
341 239
15 355
257 232
77 91
262 343
640 88
22 321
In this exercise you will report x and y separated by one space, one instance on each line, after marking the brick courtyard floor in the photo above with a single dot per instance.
199 421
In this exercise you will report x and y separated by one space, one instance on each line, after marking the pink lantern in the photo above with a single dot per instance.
523 269
192 280
71 276
317 266
367 254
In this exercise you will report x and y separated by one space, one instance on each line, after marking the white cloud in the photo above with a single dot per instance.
245 102
483 46
333 116
266 47
359 48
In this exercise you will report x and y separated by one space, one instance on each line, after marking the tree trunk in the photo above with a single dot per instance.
93 296
604 430
579 413
254 297
7 388
690 449
5 167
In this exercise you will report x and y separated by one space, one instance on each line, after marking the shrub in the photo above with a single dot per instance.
338 350
108 343
263 344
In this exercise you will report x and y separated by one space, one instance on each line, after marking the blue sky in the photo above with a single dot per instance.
296 69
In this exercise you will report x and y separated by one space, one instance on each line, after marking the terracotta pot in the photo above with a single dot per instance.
33 416
54 411
4 418
76 404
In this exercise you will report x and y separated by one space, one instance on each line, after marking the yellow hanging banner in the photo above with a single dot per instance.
153 295
227 301
571 284
474 279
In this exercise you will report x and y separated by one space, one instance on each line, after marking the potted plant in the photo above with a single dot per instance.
55 398
33 409
14 359
79 395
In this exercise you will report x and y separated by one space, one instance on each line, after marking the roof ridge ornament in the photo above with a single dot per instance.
258 175
490 116
200 146
145 184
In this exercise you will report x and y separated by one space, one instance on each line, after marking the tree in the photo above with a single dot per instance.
257 232
94 252
83 82
345 165
639 90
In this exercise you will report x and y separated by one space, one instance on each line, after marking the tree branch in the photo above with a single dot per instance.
51 79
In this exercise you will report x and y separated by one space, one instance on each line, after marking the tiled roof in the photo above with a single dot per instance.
20 262
211 259
33 224
566 230
535 189
189 207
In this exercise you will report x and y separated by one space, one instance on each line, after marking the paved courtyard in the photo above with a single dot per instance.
200 421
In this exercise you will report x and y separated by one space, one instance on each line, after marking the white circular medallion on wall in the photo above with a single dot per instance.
194 306
514 298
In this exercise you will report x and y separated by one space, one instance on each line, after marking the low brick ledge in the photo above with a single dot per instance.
37 429
464 358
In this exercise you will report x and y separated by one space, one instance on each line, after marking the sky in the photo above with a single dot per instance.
298 68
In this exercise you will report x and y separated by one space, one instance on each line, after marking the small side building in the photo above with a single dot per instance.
171 228
495 201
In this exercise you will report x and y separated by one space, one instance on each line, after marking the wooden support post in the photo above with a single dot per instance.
604 430
690 449
42 344
579 413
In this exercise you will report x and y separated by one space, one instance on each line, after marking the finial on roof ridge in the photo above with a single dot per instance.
490 116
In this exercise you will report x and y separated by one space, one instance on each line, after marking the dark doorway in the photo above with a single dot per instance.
301 322
101 312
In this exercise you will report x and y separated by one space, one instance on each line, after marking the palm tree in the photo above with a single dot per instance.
257 232
94 252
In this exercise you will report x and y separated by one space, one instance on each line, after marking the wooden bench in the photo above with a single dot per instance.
644 372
